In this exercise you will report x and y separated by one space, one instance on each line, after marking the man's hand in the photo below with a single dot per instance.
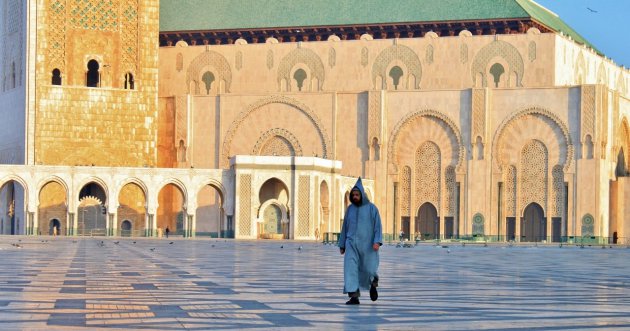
342 250
376 247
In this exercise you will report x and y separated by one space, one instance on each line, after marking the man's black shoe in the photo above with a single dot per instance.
353 301
373 292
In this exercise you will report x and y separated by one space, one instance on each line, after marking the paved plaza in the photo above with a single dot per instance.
59 283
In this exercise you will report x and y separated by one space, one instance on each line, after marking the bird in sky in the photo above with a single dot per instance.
591 10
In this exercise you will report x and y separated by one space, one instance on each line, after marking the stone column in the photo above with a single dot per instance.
192 225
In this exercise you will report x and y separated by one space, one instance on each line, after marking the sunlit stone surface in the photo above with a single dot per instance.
79 283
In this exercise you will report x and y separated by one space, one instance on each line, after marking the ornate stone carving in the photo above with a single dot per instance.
428 167
304 204
509 178
451 191
332 57
269 59
498 141
364 56
478 225
603 122
479 114
504 50
218 65
557 191
587 106
393 140
532 51
238 60
94 15
400 53
181 120
374 116
56 35
179 62
429 55
602 74
129 35
325 140
405 191
463 53
533 179
304 56
279 142
245 205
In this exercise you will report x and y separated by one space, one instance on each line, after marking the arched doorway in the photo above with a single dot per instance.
428 222
132 209
210 213
12 208
323 227
54 227
126 228
533 224
272 223
274 198
92 214
52 205
171 213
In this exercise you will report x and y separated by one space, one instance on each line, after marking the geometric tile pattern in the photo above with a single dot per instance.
75 283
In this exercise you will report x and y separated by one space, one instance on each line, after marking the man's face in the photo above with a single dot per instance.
355 196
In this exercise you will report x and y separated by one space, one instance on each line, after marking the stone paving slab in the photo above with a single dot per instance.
61 283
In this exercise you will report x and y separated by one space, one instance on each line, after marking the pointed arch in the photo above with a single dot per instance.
209 59
305 56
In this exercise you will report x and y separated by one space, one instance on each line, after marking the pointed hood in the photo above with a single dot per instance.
359 186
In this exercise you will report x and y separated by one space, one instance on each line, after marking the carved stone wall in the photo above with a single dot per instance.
587 106
277 142
479 114
304 56
332 57
509 178
534 175
400 53
504 50
245 205
557 192
532 51
405 191
374 116
210 61
182 105
451 191
56 34
427 173
129 36
304 204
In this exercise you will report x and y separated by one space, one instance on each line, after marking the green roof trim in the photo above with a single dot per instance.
204 15
553 21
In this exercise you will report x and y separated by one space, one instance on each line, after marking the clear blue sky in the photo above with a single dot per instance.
604 23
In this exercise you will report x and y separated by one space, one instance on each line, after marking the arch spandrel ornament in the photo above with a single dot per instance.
409 118
209 59
501 49
400 53
312 117
301 56
497 143
285 134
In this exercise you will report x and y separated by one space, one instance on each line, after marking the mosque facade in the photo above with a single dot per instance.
123 118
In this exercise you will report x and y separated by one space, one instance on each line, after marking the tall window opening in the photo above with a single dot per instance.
93 76
56 77
129 82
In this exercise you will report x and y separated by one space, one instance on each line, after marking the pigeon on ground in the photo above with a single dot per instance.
170 243
152 249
